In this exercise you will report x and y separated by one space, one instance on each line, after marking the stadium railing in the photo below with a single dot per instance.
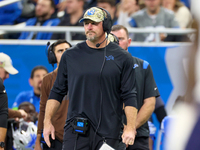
69 30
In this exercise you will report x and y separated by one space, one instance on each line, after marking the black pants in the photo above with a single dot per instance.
141 143
57 146
85 142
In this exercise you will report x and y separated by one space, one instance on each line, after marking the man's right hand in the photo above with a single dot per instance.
37 143
48 130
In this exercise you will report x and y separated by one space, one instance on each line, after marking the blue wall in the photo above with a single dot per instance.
24 58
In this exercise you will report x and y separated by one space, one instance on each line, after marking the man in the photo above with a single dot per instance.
6 68
44 17
110 6
153 16
146 91
32 96
29 108
99 77
58 120
74 11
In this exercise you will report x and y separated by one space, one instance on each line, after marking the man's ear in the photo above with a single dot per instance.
30 81
129 42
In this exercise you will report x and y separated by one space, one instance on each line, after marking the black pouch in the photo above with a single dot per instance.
80 125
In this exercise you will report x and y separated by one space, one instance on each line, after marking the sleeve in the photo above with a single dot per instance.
3 110
128 84
125 20
14 113
151 89
45 90
184 17
60 87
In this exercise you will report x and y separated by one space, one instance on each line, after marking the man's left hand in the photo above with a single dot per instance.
128 136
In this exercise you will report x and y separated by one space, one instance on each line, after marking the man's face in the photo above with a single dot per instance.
93 30
72 6
124 41
152 5
36 81
59 50
43 8
107 7
3 74
31 113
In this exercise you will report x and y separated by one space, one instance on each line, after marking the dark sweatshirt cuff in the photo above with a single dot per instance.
56 96
131 102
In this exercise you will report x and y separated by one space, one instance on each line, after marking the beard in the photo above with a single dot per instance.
91 38
42 16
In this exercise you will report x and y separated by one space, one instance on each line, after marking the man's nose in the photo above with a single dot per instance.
89 26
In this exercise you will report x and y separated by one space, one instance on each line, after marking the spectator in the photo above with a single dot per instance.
110 6
29 108
153 16
9 13
44 17
32 96
126 8
90 3
74 11
182 13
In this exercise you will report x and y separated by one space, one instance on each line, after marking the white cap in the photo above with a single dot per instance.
6 63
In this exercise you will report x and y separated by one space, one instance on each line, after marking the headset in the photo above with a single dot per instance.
107 22
50 54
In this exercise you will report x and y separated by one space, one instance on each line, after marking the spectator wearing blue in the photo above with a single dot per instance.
32 96
9 13
44 17
74 12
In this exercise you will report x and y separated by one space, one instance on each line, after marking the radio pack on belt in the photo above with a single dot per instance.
80 125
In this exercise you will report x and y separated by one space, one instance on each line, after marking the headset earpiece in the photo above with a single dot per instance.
107 23
51 55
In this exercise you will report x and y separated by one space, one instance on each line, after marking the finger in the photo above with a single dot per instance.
53 135
46 138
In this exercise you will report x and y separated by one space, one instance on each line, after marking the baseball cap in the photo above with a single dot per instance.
6 63
95 14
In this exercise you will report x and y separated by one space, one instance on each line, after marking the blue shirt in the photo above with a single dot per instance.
27 96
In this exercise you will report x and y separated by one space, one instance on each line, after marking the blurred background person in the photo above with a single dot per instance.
182 13
125 9
74 12
29 108
9 13
32 96
44 17
110 6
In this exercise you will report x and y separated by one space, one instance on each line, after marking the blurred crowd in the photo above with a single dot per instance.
130 13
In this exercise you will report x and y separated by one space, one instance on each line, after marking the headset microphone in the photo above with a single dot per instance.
98 44
48 43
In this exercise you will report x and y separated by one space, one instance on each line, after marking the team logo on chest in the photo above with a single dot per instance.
109 57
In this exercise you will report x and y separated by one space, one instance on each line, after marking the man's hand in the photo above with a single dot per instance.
37 143
23 113
48 130
128 136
